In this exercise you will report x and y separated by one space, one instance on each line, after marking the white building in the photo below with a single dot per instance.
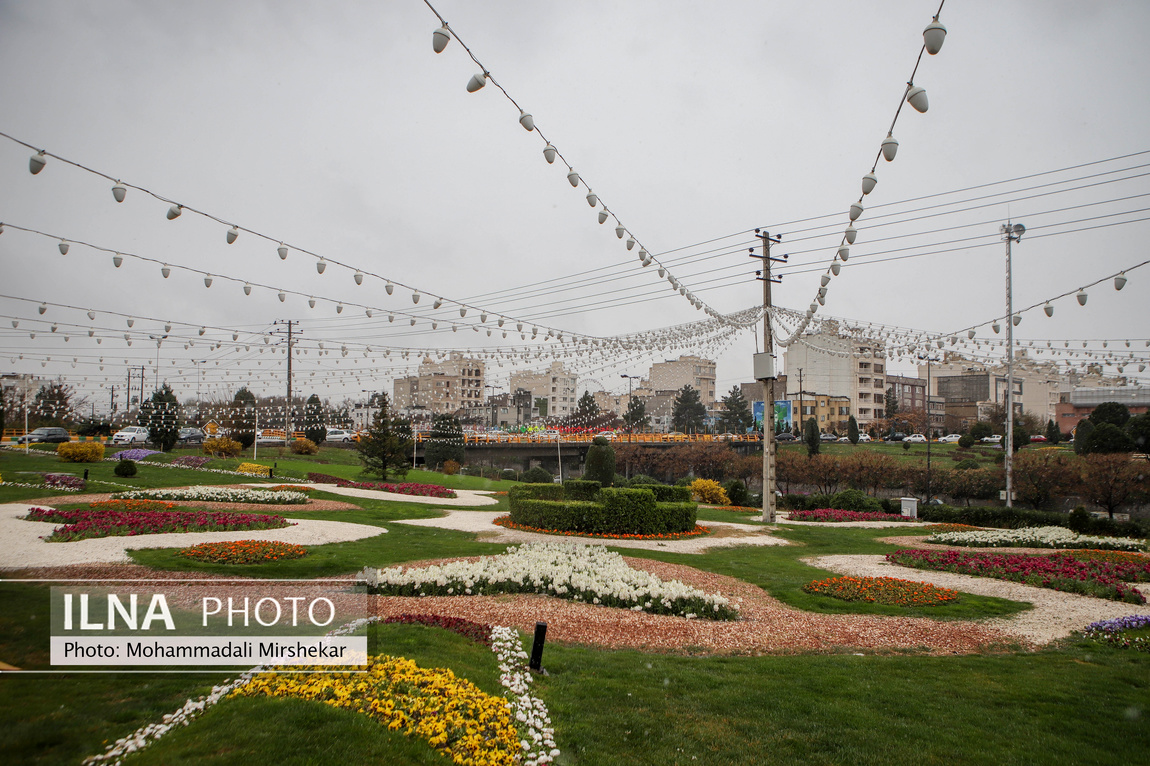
838 365
556 385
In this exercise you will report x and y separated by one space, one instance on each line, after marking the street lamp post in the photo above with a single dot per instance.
630 426
928 359
1010 233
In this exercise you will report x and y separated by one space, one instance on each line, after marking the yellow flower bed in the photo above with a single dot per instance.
80 452
255 469
451 714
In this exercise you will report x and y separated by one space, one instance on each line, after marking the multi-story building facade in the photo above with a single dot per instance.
832 413
837 365
911 396
673 374
553 390
1080 402
453 386
1037 387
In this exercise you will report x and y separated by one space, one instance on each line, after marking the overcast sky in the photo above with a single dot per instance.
335 128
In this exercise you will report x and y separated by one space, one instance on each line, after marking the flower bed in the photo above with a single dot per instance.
1115 557
243 552
1035 537
254 469
131 505
217 495
191 461
1100 579
408 488
1117 632
64 481
835 514
137 453
736 509
505 521
938 529
84 524
588 573
883 590
477 632
287 488
451 714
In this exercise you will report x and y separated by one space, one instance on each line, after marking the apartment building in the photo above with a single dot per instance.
552 389
673 374
839 365
453 385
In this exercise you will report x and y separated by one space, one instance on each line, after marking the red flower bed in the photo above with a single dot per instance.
131 505
883 590
409 488
834 514
243 552
473 630
81 525
505 521
1097 578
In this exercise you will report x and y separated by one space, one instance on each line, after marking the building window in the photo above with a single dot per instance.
864 396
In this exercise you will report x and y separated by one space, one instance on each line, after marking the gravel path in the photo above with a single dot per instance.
464 497
21 546
481 522
1055 614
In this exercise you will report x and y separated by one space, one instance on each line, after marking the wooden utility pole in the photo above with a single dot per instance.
765 372
288 430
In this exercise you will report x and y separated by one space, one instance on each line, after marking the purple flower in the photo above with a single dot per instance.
135 454
1129 622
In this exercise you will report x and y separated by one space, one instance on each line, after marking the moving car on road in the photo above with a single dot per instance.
339 435
949 438
915 439
48 434
190 435
130 435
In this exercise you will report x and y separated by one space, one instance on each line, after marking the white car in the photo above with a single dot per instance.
340 435
915 439
608 435
550 435
131 435
949 438
992 439
864 437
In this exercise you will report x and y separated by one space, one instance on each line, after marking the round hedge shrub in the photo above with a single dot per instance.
966 441
600 462
304 447
966 464
125 468
537 475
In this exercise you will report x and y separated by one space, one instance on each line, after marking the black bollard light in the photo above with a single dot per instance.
536 663
85 474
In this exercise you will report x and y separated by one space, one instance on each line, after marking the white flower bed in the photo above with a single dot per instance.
1035 537
217 495
588 573
530 712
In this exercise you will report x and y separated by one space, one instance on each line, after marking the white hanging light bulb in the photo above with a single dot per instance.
835 268
462 311
208 281
413 321
415 297
851 234
37 162
391 317
844 253
440 38
519 326
203 330
91 314
483 318
620 231
825 279
321 265
131 322
916 97
500 322
64 251
438 303
119 191
476 82
1120 281
358 277
283 251
592 200
311 302
603 215
996 327
235 336
527 121
282 296
174 212
168 327
970 334
889 147
389 287
368 312
868 183
1049 309
1081 296
1017 319
247 289
549 153
232 234
339 308
933 36
117 260
855 211
573 177
630 242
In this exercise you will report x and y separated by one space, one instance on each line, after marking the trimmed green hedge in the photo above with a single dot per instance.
578 489
616 511
666 494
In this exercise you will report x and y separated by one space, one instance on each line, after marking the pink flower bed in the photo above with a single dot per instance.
1101 579
63 481
834 514
410 488
191 461
84 524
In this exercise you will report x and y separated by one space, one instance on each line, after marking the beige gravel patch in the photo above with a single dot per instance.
463 498
1055 614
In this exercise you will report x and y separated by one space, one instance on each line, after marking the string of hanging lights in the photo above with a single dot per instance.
933 37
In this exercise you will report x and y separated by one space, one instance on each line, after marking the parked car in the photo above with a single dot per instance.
843 440
786 437
550 435
130 435
949 438
864 437
825 437
915 439
339 435
992 439
190 435
1038 438
895 437
48 434
608 435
